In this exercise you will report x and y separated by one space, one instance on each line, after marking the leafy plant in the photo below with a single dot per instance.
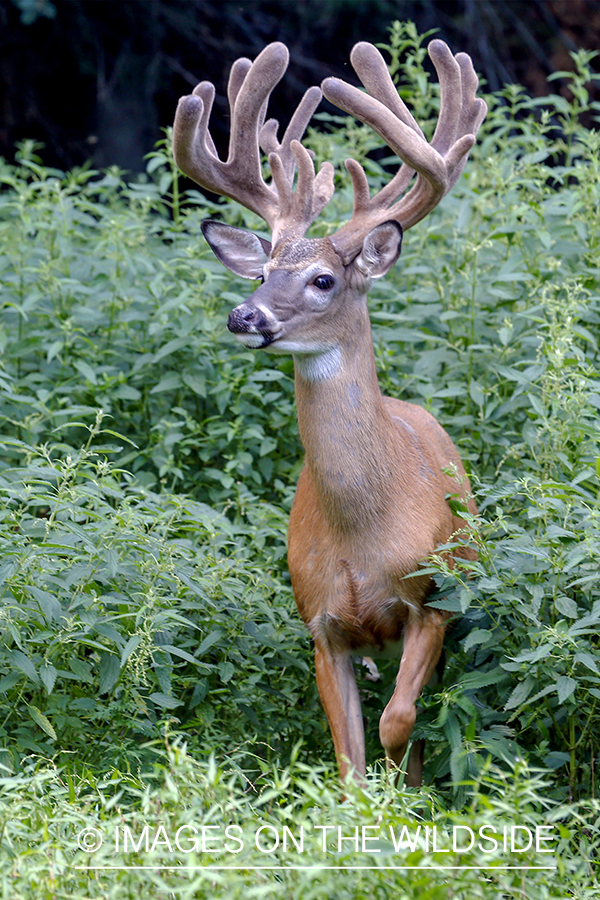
147 462
122 608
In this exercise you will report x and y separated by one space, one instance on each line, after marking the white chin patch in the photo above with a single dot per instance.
254 341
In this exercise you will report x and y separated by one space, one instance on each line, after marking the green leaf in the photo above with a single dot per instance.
48 675
155 161
209 641
226 671
49 604
164 700
519 693
86 370
549 689
476 637
22 662
471 729
132 644
566 606
40 719
565 686
482 678
452 730
587 660
476 393
556 759
196 382
82 669
109 671
458 765
169 382
177 651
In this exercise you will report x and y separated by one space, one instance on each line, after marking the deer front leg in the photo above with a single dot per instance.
423 640
339 696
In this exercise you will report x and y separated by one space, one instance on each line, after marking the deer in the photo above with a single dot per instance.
372 500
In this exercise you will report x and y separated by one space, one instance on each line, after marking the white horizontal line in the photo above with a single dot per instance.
340 868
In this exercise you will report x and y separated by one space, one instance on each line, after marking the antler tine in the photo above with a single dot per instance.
461 114
237 76
370 66
300 208
240 177
474 109
438 163
294 132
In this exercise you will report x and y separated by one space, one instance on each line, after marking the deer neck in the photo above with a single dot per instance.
346 430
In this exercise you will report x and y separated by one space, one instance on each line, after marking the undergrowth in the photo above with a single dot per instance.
189 829
147 465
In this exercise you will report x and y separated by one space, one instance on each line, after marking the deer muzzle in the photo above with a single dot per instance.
253 325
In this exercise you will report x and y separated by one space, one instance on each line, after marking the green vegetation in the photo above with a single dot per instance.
153 668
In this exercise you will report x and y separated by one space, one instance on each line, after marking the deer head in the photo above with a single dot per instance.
296 194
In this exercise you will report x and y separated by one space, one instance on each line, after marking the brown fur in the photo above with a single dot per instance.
370 506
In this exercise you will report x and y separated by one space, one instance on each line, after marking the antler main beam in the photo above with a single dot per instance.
289 212
240 176
438 164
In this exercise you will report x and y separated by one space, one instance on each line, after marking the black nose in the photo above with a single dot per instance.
245 317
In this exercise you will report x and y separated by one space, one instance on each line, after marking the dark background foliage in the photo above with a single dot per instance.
98 78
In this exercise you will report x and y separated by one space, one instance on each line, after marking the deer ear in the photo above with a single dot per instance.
241 251
380 250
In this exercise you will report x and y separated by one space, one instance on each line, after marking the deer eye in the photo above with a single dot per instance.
324 282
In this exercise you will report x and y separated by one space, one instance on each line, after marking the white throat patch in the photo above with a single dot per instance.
318 366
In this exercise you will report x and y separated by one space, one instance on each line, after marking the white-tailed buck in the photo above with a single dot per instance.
372 500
